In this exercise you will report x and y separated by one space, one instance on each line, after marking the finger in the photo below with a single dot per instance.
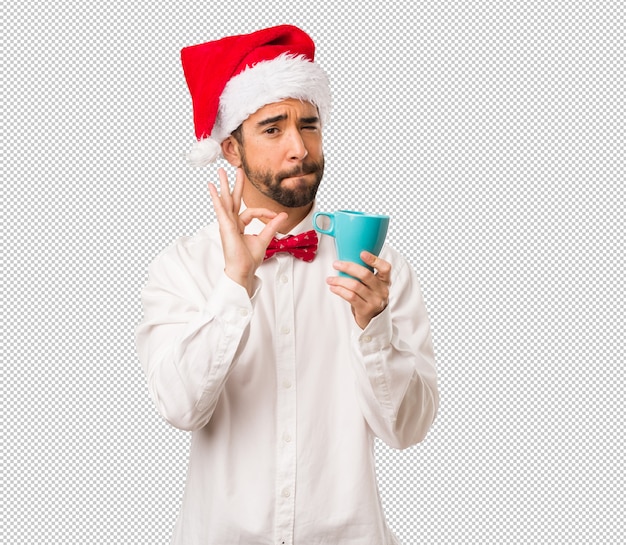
349 284
272 227
225 194
238 190
383 268
224 219
355 270
261 213
227 220
361 299
215 199
364 283
347 294
364 305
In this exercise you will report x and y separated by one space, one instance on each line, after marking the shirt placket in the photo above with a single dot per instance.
286 402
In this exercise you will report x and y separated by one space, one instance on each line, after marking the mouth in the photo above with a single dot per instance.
298 182
300 173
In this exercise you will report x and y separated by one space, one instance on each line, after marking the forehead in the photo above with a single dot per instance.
291 108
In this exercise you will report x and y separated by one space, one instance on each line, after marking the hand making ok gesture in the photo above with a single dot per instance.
242 253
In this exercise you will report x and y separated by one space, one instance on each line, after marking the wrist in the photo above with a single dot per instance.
245 280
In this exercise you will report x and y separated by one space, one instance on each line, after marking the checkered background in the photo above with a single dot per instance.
491 132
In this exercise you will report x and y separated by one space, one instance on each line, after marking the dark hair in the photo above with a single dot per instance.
238 134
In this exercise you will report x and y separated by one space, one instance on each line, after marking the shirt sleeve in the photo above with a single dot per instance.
394 363
188 339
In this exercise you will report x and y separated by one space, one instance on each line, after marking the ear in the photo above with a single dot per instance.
231 152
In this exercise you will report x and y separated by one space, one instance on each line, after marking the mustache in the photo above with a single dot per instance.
302 170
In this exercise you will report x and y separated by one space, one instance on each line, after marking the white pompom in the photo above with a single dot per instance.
203 152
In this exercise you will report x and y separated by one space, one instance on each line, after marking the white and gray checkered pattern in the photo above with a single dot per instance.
491 132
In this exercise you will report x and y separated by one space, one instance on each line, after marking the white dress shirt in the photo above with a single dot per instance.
284 393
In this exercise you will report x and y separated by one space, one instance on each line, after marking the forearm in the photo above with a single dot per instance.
395 369
187 354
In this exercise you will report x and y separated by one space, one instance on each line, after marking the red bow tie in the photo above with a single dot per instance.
302 246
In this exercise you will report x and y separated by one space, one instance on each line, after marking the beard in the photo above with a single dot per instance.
270 184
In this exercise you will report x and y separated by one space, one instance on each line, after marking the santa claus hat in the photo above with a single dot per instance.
231 78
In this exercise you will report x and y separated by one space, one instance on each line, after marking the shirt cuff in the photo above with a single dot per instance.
377 334
230 302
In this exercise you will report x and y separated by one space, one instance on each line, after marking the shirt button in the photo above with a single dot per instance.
284 279
286 437
366 338
285 330
286 384
243 312
286 493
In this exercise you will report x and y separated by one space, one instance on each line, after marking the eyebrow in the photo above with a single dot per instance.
271 120
282 117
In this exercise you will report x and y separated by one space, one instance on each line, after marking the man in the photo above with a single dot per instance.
284 371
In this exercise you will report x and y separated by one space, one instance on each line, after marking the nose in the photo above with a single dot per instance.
297 149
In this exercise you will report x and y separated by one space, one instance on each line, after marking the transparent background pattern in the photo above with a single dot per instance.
491 132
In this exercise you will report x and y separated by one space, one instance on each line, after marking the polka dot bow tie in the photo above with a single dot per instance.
302 246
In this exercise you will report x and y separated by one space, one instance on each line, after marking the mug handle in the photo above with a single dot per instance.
331 230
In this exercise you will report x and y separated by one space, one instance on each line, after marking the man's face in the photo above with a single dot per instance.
282 153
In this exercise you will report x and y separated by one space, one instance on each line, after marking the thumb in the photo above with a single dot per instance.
271 228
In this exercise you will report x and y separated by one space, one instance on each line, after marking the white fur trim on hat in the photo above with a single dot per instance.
286 76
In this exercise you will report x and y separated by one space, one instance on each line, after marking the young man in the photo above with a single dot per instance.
284 371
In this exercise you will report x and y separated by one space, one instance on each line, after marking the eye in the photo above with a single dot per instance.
271 130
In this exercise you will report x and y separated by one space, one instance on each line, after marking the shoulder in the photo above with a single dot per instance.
399 264
403 275
190 252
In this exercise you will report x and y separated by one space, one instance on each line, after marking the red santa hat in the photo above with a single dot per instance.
231 78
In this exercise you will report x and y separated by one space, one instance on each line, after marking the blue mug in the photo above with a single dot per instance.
354 232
